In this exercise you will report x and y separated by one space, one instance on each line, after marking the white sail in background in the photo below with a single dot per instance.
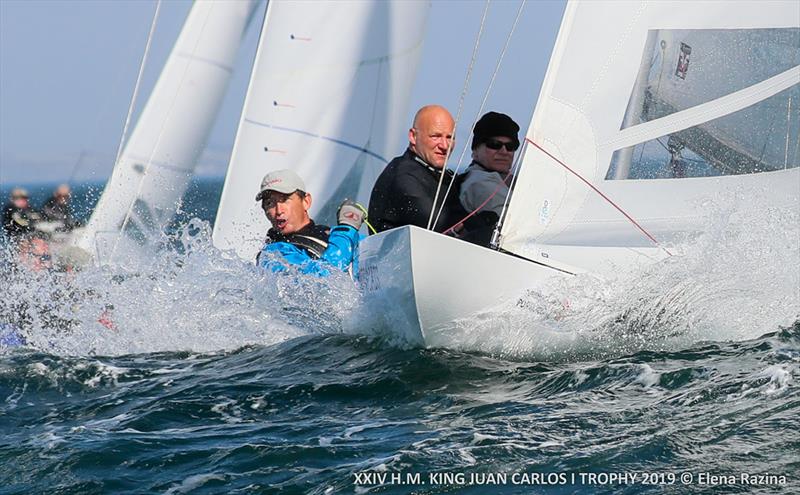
159 158
660 106
328 98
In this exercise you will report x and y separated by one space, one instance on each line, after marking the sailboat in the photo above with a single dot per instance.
647 110
158 160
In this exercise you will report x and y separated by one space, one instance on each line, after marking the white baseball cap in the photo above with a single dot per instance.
283 181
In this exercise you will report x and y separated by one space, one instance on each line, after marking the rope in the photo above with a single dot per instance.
480 207
160 135
366 220
482 106
606 198
515 168
138 83
130 112
463 96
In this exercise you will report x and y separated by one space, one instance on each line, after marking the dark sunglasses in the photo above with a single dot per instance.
494 144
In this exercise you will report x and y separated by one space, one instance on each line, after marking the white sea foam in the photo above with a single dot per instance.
648 376
105 372
194 482
349 432
737 281
779 379
550 443
198 300
229 410
478 438
465 455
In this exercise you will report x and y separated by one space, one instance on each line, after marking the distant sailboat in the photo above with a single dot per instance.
158 160
328 98
647 109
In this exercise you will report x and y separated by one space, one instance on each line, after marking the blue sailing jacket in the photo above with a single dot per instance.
312 251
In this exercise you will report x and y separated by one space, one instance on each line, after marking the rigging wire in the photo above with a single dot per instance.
129 214
494 242
481 108
138 83
463 96
136 89
479 207
788 130
92 134
76 167
510 179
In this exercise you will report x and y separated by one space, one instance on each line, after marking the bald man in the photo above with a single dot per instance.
404 192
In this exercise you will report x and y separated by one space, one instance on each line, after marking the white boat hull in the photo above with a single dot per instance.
417 284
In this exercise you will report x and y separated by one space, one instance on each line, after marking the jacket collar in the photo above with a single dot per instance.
413 156
311 229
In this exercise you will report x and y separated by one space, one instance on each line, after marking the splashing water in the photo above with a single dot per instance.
737 281
191 298
332 406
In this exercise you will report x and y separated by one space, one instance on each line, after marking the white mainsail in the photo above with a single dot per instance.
327 98
701 96
159 158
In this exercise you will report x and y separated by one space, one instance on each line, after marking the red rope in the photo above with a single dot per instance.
598 191
476 210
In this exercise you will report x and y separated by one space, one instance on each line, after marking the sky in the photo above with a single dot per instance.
68 69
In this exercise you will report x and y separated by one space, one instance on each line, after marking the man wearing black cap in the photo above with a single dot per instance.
485 184
294 237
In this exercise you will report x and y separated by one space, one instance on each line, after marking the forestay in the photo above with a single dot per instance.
159 158
650 113
327 98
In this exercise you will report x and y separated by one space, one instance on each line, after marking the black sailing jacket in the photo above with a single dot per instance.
404 192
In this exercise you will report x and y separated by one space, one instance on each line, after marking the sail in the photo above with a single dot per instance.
647 111
327 98
159 158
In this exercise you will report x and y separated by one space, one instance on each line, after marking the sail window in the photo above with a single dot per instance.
759 138
682 68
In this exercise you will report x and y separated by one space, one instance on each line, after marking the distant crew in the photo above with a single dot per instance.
404 192
485 184
19 218
57 209
295 239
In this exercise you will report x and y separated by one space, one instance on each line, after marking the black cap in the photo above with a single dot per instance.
494 124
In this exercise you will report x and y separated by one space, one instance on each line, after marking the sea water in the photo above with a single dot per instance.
197 373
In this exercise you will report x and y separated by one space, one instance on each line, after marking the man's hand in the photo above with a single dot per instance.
351 214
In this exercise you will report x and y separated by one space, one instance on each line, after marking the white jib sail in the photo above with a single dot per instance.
660 106
327 98
159 158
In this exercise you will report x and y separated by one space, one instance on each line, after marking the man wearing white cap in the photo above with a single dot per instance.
294 237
